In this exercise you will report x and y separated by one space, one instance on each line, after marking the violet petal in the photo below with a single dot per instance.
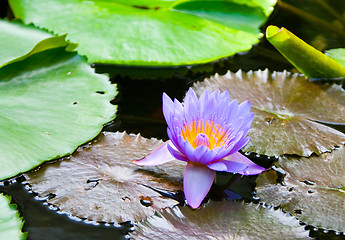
234 167
252 168
158 156
217 166
197 182
176 153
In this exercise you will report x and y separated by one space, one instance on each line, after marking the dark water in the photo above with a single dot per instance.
139 111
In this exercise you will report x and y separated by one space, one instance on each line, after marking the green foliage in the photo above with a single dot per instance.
10 221
51 102
338 54
309 61
150 33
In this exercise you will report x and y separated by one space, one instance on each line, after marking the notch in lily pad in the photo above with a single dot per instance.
312 189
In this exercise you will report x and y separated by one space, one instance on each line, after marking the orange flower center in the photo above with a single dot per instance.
206 133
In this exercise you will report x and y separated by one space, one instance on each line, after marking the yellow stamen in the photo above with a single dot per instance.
215 133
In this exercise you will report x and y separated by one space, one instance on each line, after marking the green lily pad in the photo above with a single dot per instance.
151 33
50 103
288 111
23 37
312 189
10 222
99 182
338 54
220 220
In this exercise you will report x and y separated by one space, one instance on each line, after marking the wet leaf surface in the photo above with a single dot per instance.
288 111
18 39
10 222
151 33
312 189
50 103
99 182
221 220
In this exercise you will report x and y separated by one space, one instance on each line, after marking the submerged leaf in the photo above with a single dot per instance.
312 189
308 60
50 103
99 182
10 221
151 33
221 220
288 111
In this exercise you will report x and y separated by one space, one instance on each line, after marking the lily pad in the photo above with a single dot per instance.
338 54
312 189
10 222
221 220
50 103
151 33
99 182
288 112
23 37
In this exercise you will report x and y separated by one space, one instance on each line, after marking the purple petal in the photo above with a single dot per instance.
199 153
197 182
240 144
252 168
158 156
209 156
218 166
244 108
234 167
168 107
177 154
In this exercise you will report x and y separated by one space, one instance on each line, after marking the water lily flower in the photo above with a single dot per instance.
206 133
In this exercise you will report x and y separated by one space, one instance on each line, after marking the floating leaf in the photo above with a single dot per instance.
10 221
309 61
99 182
288 111
221 220
151 33
50 103
312 189
24 38
338 54
336 91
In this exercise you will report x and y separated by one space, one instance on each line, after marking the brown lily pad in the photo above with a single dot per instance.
221 220
312 189
289 111
100 183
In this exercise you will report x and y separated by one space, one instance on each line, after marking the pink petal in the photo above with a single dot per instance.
158 156
252 168
197 182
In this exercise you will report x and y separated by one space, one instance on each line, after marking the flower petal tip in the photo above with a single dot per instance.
158 156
